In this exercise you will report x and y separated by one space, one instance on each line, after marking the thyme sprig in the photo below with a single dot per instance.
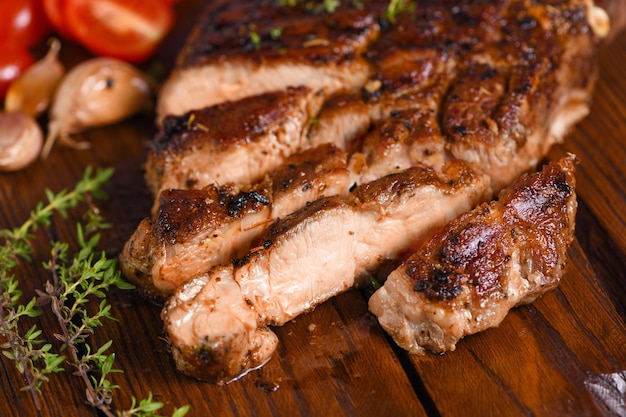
28 351
77 282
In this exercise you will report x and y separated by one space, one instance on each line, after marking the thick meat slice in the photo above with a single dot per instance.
217 323
233 142
245 48
194 230
466 277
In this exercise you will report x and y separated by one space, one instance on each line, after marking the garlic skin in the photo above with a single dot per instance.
21 140
96 92
32 92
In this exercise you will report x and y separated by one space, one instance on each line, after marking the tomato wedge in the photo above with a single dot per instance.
23 22
125 29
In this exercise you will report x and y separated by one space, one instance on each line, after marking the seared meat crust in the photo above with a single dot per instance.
468 275
502 81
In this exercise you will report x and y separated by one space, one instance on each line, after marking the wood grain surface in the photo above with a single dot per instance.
543 360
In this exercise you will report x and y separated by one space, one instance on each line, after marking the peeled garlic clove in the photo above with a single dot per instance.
97 92
21 140
32 92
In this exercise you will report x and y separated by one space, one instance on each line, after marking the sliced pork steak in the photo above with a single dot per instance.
478 90
217 323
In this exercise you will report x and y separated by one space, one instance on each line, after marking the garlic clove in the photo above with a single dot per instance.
21 140
97 92
32 92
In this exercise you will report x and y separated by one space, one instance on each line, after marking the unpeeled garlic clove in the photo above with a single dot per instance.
32 92
21 140
96 92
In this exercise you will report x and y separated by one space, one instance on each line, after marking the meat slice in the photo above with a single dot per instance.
246 48
467 276
233 142
217 323
194 230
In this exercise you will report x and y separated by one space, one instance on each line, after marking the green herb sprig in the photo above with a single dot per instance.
395 7
77 282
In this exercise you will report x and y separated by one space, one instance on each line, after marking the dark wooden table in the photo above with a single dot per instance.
542 360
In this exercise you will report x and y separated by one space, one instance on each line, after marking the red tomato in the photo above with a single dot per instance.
14 59
22 22
55 12
125 29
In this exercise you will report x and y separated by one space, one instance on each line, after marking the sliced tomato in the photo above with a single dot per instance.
55 12
125 29
23 22
14 59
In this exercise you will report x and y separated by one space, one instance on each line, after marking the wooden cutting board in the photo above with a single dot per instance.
544 360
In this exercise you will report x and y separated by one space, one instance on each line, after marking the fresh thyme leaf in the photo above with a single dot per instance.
396 7
276 33
255 38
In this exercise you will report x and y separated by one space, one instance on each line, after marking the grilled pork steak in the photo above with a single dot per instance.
194 230
217 323
477 90
466 277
